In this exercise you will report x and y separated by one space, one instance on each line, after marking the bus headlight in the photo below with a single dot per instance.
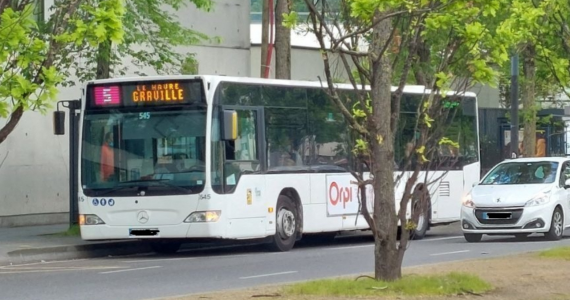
90 220
203 216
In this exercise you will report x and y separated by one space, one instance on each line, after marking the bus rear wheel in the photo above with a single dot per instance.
420 214
285 225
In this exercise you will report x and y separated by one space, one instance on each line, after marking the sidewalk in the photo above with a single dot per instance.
36 243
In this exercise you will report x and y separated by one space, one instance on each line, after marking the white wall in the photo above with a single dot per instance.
34 175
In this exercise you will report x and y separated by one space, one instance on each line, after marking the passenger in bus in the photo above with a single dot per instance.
107 158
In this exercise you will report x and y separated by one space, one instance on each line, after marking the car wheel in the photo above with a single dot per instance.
286 225
473 237
556 225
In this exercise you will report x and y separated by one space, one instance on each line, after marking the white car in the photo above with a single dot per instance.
519 197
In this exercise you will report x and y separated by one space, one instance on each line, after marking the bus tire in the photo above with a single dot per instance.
162 247
420 201
286 225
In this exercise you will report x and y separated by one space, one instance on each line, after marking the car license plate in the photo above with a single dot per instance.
144 232
497 215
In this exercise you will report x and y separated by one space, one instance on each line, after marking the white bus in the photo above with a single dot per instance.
176 158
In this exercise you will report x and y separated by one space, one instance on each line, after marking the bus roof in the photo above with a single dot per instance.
408 89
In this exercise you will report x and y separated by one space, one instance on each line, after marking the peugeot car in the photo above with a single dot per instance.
519 197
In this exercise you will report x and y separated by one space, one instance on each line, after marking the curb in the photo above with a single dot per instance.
103 249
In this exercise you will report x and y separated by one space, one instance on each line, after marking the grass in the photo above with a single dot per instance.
557 253
73 230
411 285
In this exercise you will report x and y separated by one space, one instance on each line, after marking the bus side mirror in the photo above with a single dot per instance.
59 122
229 125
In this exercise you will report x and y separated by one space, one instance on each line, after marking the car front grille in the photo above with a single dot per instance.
498 216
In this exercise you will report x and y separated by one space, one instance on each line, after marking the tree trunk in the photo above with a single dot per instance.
104 60
528 99
264 36
282 42
12 122
423 60
387 262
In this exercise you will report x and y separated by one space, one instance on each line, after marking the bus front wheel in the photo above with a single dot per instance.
285 225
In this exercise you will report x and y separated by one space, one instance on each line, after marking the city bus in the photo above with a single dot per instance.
169 159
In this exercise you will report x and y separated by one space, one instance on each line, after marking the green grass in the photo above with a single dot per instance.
411 285
559 253
72 231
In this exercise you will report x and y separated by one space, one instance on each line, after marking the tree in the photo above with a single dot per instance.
382 39
540 35
282 40
151 43
35 54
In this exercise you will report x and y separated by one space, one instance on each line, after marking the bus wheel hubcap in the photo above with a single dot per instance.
286 223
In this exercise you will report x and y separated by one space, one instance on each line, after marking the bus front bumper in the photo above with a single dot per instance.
179 231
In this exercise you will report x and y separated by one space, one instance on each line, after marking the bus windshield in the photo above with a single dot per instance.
157 151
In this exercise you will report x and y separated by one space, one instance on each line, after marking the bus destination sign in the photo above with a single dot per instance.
141 94
165 92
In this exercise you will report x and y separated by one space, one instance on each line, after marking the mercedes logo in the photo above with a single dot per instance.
142 216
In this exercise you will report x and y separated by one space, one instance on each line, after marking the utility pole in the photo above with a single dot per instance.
515 104
264 36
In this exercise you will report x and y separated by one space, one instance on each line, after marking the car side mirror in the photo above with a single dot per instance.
567 184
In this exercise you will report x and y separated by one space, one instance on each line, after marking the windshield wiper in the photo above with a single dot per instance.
162 182
117 188
136 184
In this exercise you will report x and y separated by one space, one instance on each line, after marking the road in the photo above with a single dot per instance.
197 271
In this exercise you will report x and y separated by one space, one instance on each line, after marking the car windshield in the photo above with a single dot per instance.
522 173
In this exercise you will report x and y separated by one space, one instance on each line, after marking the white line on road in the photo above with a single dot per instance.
128 270
443 238
42 262
453 252
350 247
158 259
266 275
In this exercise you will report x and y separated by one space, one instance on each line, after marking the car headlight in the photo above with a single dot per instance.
541 198
90 220
203 216
468 201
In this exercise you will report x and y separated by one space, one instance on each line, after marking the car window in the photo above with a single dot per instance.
522 173
565 174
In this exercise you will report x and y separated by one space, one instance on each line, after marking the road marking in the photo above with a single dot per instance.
443 238
158 259
51 270
453 252
267 275
60 268
350 247
42 262
128 270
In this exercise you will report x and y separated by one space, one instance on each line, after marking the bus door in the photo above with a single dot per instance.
245 161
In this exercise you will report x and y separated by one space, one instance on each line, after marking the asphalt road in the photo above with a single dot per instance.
197 271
